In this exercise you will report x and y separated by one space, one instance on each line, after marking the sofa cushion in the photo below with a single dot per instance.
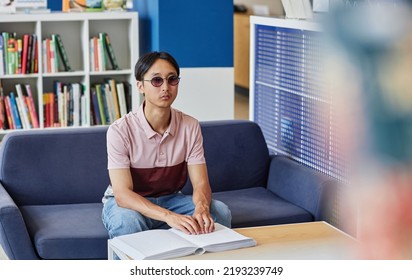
55 166
262 208
236 154
72 231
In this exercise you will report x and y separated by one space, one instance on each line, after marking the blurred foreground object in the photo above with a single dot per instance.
373 40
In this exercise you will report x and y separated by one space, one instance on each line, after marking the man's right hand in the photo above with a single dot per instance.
185 223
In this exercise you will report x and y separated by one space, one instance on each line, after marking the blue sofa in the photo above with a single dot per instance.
52 182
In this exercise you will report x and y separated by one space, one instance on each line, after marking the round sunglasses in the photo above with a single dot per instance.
158 81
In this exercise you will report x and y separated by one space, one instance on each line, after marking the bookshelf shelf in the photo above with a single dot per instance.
75 31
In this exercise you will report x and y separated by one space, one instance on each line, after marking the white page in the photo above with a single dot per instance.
152 244
221 235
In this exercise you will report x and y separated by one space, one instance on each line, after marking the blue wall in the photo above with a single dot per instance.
198 33
54 5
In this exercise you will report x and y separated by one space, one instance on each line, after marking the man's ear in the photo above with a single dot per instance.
140 86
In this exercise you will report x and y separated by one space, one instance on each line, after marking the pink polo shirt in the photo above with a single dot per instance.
158 163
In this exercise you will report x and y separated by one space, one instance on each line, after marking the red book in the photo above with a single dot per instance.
8 112
2 112
32 107
24 56
48 55
96 53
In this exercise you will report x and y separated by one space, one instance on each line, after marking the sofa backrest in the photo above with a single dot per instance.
63 166
300 185
55 166
236 154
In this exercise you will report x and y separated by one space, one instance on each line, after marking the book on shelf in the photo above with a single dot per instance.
122 98
22 107
12 56
32 107
2 108
62 107
14 111
62 53
100 104
113 90
108 101
95 108
110 51
17 109
55 57
2 72
8 112
18 54
5 36
173 243
101 51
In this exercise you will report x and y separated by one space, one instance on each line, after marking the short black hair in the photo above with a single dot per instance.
147 60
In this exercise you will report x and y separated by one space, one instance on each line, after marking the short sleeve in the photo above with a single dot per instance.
195 154
117 149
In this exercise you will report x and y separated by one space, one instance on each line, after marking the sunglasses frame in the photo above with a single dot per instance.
163 80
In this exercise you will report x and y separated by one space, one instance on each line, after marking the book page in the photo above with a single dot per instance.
154 244
221 239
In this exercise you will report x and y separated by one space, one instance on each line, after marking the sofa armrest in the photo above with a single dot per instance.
302 186
14 237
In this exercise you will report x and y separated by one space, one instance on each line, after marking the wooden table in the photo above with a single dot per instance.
314 240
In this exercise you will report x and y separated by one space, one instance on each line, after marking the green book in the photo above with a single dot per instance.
6 53
100 103
63 53
110 52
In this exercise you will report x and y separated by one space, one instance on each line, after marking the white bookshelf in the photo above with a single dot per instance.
76 29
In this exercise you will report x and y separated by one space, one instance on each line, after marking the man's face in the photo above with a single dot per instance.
164 95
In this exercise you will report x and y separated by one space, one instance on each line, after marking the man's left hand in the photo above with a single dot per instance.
204 219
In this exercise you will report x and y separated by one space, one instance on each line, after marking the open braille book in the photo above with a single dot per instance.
172 243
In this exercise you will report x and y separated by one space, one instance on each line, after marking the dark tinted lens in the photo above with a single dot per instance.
173 80
157 81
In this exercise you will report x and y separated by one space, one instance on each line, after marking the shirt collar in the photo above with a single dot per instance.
148 129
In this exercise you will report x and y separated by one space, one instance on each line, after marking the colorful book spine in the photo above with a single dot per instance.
110 52
5 50
32 107
24 55
100 54
29 54
12 59
110 102
2 69
36 57
76 104
46 113
63 53
19 52
96 54
15 111
22 107
9 114
33 53
46 68
2 109
85 113
96 111
122 98
53 58
113 89
101 105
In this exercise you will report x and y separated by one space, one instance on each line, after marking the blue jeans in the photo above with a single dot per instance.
119 221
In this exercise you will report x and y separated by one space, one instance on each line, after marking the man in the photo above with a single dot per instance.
150 153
